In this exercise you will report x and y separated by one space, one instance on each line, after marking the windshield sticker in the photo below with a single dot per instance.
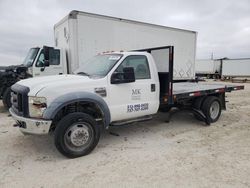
137 107
114 58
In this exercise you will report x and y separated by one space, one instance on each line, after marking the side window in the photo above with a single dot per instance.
54 58
140 65
40 61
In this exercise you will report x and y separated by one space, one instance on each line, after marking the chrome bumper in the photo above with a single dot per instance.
31 126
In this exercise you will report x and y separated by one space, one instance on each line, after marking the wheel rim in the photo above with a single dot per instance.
78 136
214 109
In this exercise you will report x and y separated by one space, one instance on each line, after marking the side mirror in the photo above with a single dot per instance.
47 51
127 76
46 63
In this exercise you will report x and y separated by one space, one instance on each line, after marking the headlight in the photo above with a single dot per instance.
37 105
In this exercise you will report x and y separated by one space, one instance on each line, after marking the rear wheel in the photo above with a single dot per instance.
6 98
76 135
211 108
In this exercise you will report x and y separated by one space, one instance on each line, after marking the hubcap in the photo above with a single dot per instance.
78 136
214 109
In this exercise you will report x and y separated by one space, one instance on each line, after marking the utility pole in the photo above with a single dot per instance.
212 56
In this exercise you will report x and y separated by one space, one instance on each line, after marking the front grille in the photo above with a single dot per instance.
19 99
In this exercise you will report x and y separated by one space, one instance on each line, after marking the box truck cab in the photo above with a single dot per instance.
37 66
33 65
109 89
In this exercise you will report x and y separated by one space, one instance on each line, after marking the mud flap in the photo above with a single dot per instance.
193 110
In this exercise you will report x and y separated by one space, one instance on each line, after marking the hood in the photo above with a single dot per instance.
17 69
53 86
11 67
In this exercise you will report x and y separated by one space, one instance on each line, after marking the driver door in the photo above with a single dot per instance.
54 68
134 99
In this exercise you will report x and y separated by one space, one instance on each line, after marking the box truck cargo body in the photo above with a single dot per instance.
236 67
83 35
208 68
225 67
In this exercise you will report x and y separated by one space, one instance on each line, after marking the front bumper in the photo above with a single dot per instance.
31 126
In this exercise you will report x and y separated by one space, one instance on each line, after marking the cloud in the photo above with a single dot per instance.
223 26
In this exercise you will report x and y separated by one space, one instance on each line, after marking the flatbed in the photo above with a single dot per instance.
194 89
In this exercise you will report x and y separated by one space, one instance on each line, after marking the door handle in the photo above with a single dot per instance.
152 87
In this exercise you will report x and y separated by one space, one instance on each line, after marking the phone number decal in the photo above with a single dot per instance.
137 107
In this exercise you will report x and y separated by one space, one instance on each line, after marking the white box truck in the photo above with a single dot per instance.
81 35
209 68
236 67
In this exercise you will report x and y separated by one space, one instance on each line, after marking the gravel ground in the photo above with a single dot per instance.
182 153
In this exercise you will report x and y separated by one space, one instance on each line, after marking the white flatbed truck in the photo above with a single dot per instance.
110 89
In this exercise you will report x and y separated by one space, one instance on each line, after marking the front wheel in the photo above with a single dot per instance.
76 135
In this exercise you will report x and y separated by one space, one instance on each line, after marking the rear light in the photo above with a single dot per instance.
222 90
239 87
165 99
195 94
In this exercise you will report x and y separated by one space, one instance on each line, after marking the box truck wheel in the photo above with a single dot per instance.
76 135
6 98
211 108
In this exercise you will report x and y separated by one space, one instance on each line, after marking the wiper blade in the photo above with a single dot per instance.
83 73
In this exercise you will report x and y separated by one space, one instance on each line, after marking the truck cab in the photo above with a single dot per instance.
34 65
37 66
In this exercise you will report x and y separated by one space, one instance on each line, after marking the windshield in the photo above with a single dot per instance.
99 65
29 59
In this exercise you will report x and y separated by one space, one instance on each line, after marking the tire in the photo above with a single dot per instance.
75 125
7 98
211 108
165 109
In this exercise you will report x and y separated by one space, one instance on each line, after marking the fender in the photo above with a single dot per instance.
69 98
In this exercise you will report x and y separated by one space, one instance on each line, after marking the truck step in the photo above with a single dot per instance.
129 121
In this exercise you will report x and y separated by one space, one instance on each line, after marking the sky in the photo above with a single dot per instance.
223 26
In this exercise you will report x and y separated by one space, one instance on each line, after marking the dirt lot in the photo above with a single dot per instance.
182 153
